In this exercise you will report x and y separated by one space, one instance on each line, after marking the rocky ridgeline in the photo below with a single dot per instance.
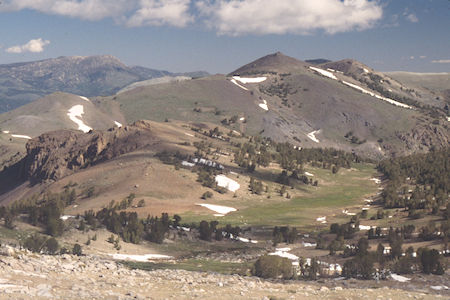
57 154
25 275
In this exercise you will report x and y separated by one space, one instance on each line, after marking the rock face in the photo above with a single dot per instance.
54 155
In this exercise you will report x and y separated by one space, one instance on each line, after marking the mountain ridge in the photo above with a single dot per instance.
89 76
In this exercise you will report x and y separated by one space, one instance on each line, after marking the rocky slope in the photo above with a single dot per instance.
56 154
24 275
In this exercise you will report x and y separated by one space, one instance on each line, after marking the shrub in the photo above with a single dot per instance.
272 266
76 250
52 245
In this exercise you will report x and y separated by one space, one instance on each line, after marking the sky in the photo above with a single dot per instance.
219 36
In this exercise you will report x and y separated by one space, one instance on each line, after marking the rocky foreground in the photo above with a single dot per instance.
31 276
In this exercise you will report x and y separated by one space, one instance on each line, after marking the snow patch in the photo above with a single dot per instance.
400 278
235 82
5 131
365 70
309 174
187 164
189 134
242 119
364 227
222 210
245 80
312 136
66 217
21 136
376 180
141 258
348 213
244 240
227 183
321 219
305 244
439 287
282 252
85 98
396 103
264 105
117 124
324 73
74 114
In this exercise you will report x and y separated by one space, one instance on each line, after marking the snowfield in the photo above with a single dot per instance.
74 114
312 136
227 183
235 82
324 73
245 80
219 209
117 124
264 105
20 136
141 258
396 103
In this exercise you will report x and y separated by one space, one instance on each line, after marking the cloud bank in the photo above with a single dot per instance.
236 17
132 13
34 46
229 17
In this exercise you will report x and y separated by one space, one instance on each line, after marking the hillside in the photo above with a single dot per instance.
89 76
289 100
53 112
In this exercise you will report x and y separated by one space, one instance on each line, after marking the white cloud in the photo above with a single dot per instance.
129 12
84 9
34 46
239 17
441 61
412 18
160 12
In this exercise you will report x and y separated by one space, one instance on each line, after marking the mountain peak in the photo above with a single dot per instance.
275 62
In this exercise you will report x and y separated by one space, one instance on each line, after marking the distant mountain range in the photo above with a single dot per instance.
343 104
90 76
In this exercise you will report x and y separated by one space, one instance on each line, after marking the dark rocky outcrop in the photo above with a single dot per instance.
57 154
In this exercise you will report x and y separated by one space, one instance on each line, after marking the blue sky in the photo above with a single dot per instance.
220 35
